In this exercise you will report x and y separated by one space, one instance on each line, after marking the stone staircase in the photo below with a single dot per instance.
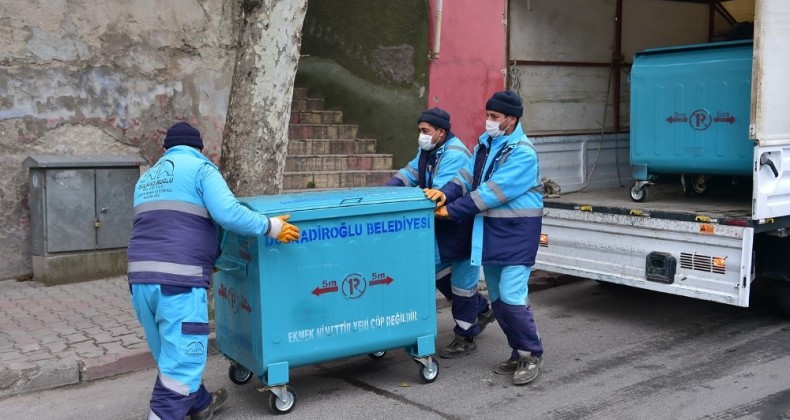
325 153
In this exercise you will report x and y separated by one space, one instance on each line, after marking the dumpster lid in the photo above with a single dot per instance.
315 200
81 161
693 47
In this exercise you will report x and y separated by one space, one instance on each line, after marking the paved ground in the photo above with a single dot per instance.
52 336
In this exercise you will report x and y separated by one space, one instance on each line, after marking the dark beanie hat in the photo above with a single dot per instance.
436 117
183 134
506 102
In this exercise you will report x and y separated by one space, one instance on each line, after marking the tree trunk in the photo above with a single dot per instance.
256 127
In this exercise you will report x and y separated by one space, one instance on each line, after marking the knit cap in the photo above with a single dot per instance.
436 117
506 102
183 134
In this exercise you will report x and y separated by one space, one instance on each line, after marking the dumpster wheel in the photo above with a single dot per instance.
638 194
239 375
378 355
429 369
282 399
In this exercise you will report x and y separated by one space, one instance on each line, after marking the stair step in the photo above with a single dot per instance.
331 147
322 131
335 179
362 162
300 93
307 104
316 117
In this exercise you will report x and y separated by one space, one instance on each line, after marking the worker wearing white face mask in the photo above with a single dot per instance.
501 189
439 159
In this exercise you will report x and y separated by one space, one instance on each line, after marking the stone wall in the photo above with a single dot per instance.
82 77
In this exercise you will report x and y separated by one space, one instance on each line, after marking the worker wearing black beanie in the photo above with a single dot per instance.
501 190
440 158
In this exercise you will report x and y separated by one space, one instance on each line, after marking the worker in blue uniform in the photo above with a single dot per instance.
172 249
501 190
439 159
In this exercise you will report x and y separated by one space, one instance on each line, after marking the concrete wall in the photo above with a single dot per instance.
469 68
103 77
369 58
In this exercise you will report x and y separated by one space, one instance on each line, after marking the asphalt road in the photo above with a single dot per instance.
611 353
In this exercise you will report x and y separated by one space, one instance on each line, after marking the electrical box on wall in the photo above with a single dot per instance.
81 211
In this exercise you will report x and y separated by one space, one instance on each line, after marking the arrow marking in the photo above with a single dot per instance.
386 281
318 291
729 119
676 119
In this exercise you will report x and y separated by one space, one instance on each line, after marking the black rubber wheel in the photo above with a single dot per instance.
277 406
239 375
700 188
378 355
430 373
639 194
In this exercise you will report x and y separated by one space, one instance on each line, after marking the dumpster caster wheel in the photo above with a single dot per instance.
282 399
430 372
638 194
694 184
239 375
700 185
378 355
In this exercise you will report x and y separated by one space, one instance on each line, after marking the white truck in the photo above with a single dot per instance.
570 61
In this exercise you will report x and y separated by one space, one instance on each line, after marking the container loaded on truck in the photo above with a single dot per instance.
701 127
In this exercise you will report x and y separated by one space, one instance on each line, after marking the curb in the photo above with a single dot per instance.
49 375
115 364
71 372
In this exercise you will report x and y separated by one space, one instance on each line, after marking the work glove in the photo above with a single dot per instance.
441 213
435 195
280 229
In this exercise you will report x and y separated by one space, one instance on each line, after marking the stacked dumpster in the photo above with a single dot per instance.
690 109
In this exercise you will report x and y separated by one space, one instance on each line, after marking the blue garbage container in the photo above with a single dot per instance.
690 114
360 280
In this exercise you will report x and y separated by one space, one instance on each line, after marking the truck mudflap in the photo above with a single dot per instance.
701 260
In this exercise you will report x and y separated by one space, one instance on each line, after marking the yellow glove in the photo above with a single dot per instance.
280 229
435 195
289 233
441 212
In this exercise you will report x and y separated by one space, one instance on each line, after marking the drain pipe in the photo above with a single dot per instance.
437 30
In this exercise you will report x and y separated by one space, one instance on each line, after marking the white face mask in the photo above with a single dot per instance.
492 128
426 142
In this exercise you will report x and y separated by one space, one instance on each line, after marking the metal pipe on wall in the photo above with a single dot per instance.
437 30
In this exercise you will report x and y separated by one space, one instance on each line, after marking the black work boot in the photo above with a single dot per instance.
485 318
459 347
527 369
217 398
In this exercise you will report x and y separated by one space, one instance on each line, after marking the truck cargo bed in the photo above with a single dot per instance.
666 201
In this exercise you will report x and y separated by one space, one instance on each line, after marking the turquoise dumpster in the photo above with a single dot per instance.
690 114
360 281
